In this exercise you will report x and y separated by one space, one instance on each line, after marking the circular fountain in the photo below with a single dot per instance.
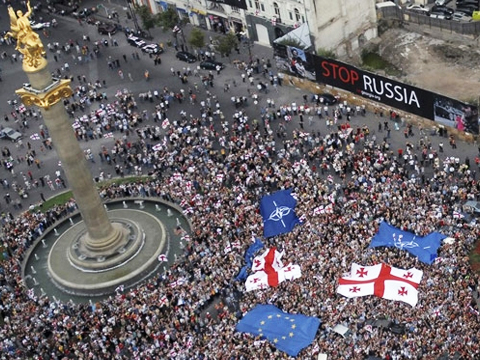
60 266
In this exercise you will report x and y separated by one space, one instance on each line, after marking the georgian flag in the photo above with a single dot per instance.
108 135
163 301
177 176
165 124
227 249
330 178
269 271
31 294
320 210
162 258
220 177
188 211
236 245
185 237
458 215
119 288
383 281
183 203
35 137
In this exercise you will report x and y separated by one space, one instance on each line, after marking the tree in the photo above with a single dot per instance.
227 43
197 38
168 19
148 20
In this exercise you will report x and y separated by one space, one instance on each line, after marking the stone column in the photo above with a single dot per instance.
102 238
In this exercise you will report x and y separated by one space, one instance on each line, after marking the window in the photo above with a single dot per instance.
276 9
250 3
290 15
257 5
297 14
262 7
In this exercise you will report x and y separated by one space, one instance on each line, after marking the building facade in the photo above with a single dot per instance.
340 26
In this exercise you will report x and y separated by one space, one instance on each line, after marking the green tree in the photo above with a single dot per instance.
167 19
226 44
148 20
197 38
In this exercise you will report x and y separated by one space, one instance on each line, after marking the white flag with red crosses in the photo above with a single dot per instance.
383 281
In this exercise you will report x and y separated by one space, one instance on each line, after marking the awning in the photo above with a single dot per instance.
163 4
300 34
198 11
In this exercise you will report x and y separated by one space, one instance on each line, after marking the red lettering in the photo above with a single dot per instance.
341 72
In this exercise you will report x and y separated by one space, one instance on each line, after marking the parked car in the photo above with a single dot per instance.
420 9
460 16
136 41
472 207
84 13
445 9
442 2
152 49
327 99
107 28
186 56
467 11
9 133
440 15
461 3
210 65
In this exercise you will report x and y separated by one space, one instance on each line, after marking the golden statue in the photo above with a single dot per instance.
28 42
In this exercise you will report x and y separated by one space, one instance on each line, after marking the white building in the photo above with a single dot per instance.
337 25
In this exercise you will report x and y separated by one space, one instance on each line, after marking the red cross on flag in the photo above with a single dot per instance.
383 281
268 271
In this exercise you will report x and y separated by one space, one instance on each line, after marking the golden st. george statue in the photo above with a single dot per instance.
28 42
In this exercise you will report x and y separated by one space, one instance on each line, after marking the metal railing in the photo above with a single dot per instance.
471 28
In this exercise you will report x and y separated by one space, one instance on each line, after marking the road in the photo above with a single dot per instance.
70 31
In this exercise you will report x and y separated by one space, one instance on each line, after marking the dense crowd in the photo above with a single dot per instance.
219 180
218 176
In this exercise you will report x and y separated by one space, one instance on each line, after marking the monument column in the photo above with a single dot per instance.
102 238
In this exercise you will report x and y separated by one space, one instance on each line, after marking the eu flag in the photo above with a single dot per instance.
287 332
278 213
249 255
423 247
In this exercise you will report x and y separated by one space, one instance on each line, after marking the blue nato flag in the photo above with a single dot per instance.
423 247
278 213
289 333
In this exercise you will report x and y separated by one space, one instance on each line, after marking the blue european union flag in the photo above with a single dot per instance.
249 255
278 213
423 247
287 332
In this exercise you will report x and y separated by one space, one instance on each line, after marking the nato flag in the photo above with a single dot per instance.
278 213
287 332
423 247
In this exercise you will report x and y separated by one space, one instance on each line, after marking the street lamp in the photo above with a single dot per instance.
248 44
178 30
133 16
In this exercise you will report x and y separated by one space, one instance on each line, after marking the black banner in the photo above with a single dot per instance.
441 109
242 4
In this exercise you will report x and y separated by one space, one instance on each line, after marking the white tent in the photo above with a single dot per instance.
300 34
322 356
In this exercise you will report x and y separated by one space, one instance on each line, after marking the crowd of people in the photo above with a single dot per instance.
218 179
218 174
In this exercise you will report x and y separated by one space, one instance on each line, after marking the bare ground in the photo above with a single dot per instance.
441 62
